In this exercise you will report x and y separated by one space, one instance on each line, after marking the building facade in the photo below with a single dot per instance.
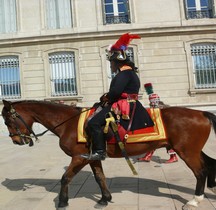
55 49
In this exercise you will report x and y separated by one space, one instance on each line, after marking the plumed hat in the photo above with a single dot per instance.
154 98
117 51
148 88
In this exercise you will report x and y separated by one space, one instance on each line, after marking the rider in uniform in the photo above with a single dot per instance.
122 98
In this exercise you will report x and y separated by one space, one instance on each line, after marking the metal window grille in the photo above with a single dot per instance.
116 11
9 77
198 9
58 14
63 74
204 65
8 16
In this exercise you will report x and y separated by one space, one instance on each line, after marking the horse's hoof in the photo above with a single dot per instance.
213 189
62 208
102 202
98 206
188 207
62 205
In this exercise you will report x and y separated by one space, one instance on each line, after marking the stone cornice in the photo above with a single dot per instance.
97 35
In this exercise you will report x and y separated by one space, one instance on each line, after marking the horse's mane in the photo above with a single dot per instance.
46 102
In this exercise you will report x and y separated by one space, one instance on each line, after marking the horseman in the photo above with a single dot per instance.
121 100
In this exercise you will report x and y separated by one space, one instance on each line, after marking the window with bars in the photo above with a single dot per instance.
63 74
9 77
116 11
197 9
204 65
58 14
8 23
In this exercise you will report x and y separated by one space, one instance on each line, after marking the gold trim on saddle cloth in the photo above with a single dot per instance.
80 130
159 132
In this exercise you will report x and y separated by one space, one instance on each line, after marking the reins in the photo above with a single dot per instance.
41 134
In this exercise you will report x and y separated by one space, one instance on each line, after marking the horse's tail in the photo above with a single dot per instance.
212 119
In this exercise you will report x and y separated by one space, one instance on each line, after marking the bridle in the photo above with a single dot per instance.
13 113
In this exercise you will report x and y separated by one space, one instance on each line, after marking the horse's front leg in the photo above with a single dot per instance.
100 178
75 166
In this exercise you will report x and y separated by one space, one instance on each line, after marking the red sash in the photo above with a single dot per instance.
122 106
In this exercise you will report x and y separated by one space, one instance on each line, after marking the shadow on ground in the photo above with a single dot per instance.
117 185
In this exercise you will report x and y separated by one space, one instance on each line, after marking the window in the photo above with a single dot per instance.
204 65
196 9
63 74
8 16
58 14
9 77
116 11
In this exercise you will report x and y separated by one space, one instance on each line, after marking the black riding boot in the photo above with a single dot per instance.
98 146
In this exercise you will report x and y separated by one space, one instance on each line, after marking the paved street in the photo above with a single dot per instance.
30 179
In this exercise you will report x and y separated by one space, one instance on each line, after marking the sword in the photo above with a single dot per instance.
114 127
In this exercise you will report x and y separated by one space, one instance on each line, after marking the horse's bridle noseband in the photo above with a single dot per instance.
22 136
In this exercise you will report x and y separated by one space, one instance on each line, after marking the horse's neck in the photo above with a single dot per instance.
47 117
52 117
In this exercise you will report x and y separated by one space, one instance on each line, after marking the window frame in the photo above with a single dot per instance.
49 96
192 86
199 12
116 12
19 95
62 69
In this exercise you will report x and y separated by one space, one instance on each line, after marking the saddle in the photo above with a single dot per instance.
154 133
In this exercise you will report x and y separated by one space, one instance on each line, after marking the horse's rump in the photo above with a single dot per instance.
154 133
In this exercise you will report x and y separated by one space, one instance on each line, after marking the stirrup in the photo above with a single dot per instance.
94 156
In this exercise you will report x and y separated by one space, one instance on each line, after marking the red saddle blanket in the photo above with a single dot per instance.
154 133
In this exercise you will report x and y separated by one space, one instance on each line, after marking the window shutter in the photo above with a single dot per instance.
212 3
51 14
2 22
11 24
7 16
128 10
186 9
104 12
64 11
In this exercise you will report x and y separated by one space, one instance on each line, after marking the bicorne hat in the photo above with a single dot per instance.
118 51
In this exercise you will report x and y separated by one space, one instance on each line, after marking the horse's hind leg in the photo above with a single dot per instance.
75 166
97 169
211 184
197 163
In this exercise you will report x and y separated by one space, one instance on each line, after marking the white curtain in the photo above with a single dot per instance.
7 16
58 14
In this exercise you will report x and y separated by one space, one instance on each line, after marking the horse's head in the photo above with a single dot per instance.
18 128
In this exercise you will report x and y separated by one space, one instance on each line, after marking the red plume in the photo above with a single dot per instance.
123 42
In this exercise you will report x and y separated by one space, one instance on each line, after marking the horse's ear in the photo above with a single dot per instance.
7 104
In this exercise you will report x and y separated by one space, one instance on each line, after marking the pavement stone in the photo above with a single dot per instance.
30 179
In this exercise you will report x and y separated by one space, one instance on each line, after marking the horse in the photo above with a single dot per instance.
187 132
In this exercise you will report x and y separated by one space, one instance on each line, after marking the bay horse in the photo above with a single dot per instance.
187 132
